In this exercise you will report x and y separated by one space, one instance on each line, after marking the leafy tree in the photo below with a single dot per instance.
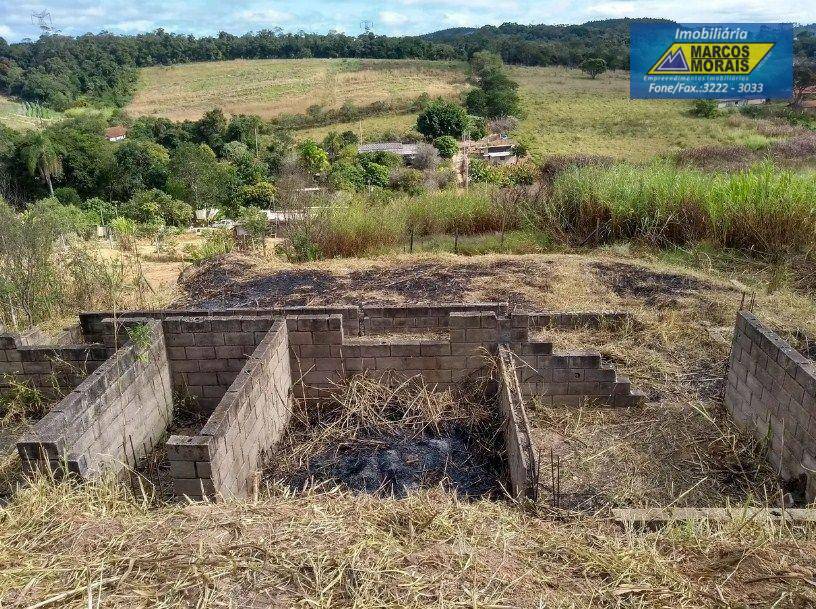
443 118
804 76
246 129
101 211
156 207
211 129
42 157
68 196
484 64
198 178
261 195
593 67
335 143
277 151
312 157
447 146
87 157
347 175
249 169
140 165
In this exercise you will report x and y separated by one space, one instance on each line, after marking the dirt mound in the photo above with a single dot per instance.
231 282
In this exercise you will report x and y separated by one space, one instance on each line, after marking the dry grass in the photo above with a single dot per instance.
95 545
396 425
269 87
569 113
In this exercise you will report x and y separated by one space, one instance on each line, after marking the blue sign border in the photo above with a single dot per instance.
771 79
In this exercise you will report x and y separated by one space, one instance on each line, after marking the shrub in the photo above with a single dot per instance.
68 196
447 146
426 157
347 175
443 118
261 195
407 180
256 224
217 243
100 211
376 174
124 231
705 108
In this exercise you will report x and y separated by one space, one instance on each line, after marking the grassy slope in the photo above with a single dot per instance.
274 86
73 548
568 113
11 115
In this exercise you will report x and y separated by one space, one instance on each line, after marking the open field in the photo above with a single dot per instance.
372 128
14 115
569 113
277 86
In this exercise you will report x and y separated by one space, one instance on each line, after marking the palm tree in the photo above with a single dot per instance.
42 157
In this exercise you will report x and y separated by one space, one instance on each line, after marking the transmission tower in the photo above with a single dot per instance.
366 26
42 20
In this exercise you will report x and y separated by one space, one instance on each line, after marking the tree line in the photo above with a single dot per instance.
63 71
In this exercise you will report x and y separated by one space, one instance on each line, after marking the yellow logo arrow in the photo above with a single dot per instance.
718 58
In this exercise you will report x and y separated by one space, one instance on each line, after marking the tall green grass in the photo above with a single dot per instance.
764 210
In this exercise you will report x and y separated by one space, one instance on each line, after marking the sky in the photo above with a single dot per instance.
395 17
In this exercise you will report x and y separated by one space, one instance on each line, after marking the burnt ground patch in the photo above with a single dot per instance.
654 289
391 438
225 283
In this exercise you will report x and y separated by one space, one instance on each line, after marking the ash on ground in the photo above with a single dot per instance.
398 464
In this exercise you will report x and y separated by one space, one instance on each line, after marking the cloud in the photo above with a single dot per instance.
398 17
393 18
613 9
134 26
463 19
263 16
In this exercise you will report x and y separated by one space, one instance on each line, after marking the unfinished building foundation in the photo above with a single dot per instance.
243 368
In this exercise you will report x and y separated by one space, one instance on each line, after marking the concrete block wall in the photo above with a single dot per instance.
206 353
771 392
95 325
112 419
407 318
223 460
54 370
522 458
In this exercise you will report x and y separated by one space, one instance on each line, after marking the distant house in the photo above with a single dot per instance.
115 134
496 149
406 151
728 104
